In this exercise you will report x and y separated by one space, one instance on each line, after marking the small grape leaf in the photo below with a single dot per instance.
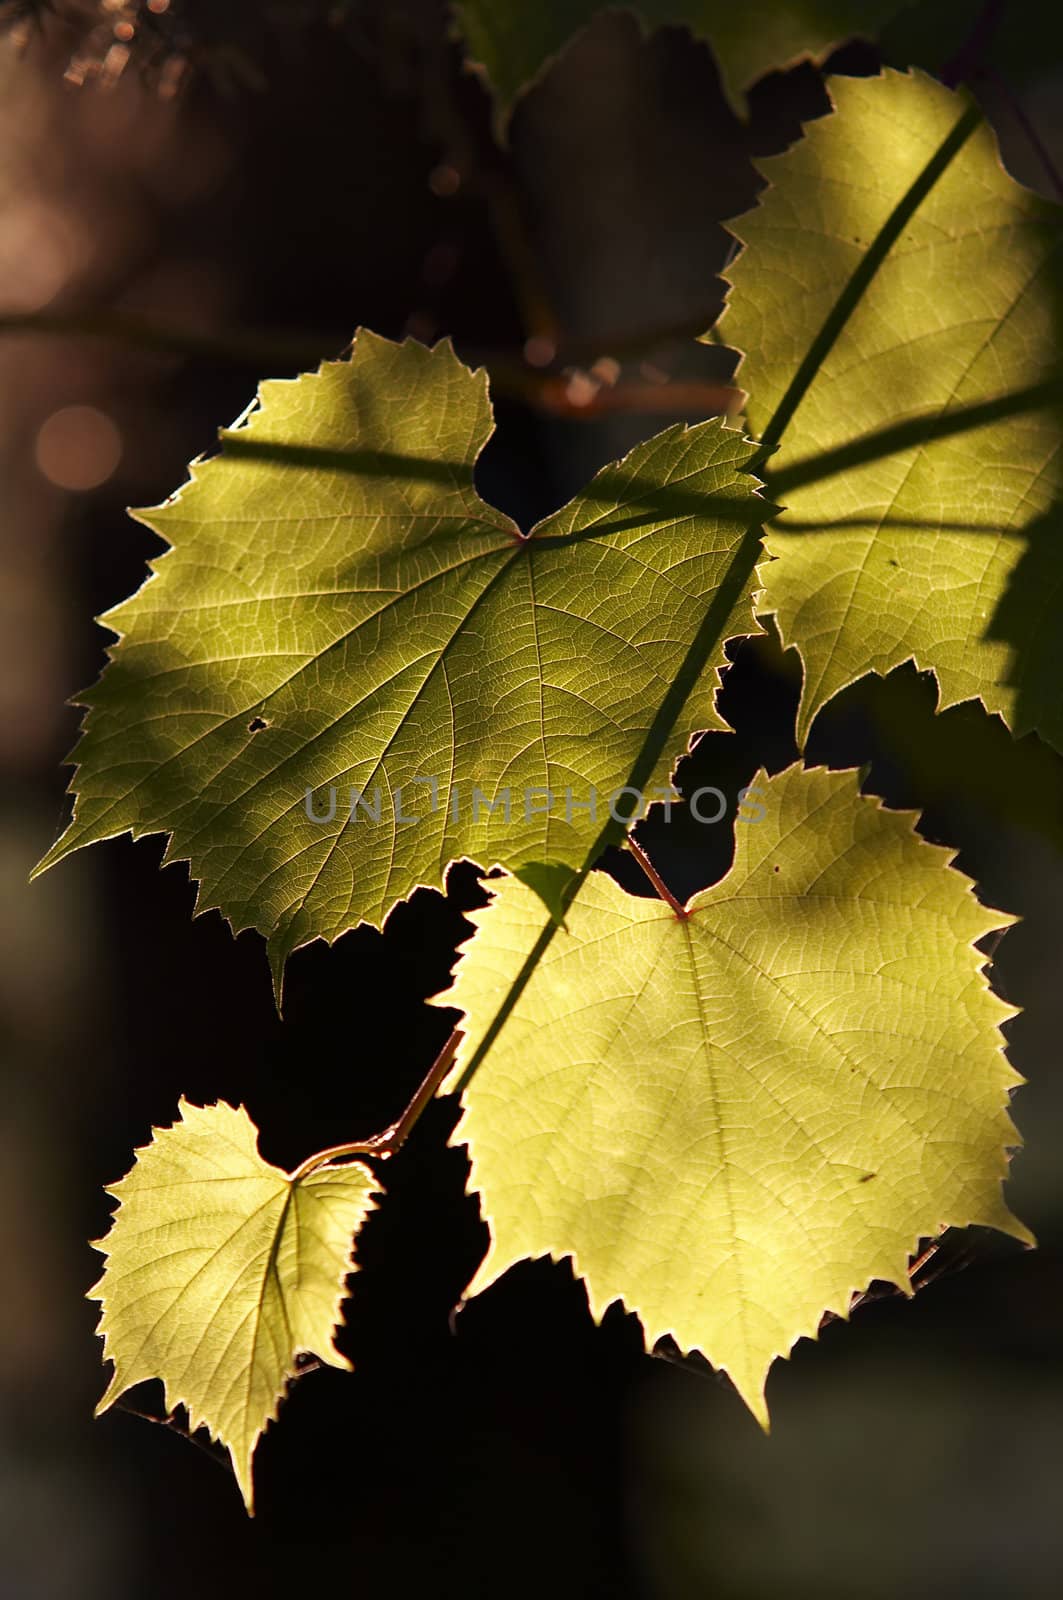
341 615
735 1120
220 1270
944 546
512 43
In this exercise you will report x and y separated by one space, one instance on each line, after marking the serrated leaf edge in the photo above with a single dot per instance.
1004 1221
116 1387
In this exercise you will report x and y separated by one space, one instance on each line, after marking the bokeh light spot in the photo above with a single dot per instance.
78 447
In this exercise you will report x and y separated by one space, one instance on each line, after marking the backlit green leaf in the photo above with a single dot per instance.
735 1120
221 1270
342 614
941 543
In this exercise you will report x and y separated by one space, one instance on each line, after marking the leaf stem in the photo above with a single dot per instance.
860 281
967 63
742 567
655 878
392 1138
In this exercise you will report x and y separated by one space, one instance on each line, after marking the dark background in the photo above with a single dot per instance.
303 181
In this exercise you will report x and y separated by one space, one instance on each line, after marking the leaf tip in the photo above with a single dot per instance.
243 1472
114 1388
1005 1221
277 953
752 1392
59 851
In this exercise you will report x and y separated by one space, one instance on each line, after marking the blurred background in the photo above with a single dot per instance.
195 196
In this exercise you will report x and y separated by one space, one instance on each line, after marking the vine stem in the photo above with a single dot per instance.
970 64
247 347
394 1136
583 399
968 61
1018 111
551 392
743 563
655 878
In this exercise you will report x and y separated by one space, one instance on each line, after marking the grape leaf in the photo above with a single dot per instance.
512 43
220 1270
733 1121
341 612
940 544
